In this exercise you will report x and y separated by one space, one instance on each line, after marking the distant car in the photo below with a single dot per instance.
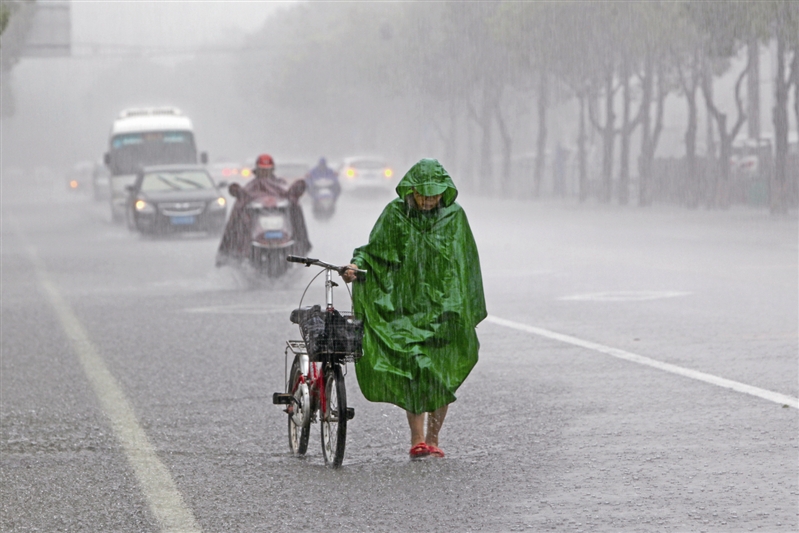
230 172
174 198
226 173
367 173
80 176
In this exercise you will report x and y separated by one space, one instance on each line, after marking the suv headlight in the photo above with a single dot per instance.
143 206
216 205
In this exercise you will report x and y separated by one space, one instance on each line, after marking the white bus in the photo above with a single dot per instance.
142 137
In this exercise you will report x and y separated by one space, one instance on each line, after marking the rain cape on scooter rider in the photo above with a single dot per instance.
235 243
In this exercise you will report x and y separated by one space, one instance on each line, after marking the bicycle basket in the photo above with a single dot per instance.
330 334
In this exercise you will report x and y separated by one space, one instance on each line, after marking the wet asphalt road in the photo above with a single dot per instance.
545 436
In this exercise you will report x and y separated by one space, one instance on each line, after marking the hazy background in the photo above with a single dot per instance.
304 79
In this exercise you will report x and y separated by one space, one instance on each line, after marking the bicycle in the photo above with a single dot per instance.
315 388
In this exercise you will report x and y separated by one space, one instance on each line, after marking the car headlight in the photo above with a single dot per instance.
143 206
388 172
217 204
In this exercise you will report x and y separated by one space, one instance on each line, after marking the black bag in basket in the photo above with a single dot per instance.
345 335
329 333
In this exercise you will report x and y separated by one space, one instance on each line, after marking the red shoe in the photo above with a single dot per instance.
435 451
420 450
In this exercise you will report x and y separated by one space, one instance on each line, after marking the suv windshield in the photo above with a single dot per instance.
176 181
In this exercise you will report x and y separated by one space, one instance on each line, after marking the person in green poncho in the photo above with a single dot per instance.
420 303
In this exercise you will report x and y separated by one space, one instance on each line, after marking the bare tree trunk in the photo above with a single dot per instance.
753 89
721 198
722 193
795 76
541 145
780 112
505 179
608 138
662 93
581 137
692 185
690 84
624 141
486 164
645 159
474 177
451 140
711 176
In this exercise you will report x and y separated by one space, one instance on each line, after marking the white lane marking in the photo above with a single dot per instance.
624 296
156 482
775 397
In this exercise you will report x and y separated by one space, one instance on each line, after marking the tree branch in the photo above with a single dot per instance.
739 104
503 130
661 99
639 116
592 113
681 76
706 79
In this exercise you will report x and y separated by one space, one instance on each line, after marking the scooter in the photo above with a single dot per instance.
271 234
324 193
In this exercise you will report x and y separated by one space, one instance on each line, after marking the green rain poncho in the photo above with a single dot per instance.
421 299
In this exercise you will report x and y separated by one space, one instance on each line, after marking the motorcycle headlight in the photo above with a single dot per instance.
217 204
144 207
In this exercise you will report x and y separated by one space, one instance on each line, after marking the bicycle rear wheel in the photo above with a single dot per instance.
334 416
298 415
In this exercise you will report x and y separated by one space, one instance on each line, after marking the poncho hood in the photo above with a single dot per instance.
429 178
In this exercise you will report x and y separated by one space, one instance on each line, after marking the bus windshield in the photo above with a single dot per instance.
130 151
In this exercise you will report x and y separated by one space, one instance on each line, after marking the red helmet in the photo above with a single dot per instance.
264 161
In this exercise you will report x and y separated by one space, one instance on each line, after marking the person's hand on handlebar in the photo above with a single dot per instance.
349 274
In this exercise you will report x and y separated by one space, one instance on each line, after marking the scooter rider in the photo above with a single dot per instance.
322 171
235 244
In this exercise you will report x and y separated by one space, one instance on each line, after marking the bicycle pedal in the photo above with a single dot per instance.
280 398
350 413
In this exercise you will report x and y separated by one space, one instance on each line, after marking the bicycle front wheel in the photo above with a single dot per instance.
334 416
298 415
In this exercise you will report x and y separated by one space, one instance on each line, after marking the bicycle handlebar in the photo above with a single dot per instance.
308 261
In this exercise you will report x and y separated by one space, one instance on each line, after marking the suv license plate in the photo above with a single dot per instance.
181 221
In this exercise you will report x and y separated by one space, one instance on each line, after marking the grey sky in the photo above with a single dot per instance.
164 23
